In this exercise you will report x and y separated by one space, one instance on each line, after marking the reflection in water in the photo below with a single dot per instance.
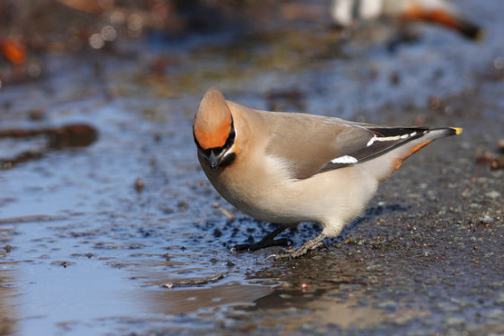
7 314
323 305
185 301
7 319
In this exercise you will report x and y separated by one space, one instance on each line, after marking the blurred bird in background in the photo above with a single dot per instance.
346 13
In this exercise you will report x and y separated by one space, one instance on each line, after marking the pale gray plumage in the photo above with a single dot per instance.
277 167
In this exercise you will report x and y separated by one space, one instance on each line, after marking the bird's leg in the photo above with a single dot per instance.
298 252
267 241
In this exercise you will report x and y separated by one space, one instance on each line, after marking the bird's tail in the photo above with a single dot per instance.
385 165
470 30
447 17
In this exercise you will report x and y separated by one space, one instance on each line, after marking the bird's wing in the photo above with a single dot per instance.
313 144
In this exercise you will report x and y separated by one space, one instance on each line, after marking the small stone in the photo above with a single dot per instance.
455 321
139 185
63 263
182 205
229 215
493 194
486 219
402 321
374 268
387 305
500 299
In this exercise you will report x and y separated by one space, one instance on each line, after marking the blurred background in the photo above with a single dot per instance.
109 227
30 30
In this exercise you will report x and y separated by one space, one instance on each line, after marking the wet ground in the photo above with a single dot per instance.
125 236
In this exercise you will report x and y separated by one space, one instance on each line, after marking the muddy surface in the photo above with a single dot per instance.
123 234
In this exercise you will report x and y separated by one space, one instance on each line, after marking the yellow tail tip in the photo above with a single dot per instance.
457 130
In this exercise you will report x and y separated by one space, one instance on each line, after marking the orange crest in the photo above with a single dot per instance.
212 123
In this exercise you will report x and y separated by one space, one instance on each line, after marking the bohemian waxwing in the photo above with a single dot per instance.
290 167
443 12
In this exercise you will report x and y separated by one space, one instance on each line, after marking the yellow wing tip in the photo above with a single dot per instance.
457 130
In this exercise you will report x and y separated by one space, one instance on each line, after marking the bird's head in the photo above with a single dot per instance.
214 131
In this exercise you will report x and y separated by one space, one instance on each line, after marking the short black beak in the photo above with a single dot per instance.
213 160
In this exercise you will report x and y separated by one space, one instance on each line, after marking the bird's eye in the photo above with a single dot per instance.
217 151
231 138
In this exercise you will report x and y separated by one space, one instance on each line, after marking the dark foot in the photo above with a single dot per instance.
267 241
311 244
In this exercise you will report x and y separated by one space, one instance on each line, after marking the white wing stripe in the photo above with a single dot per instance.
390 138
345 159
